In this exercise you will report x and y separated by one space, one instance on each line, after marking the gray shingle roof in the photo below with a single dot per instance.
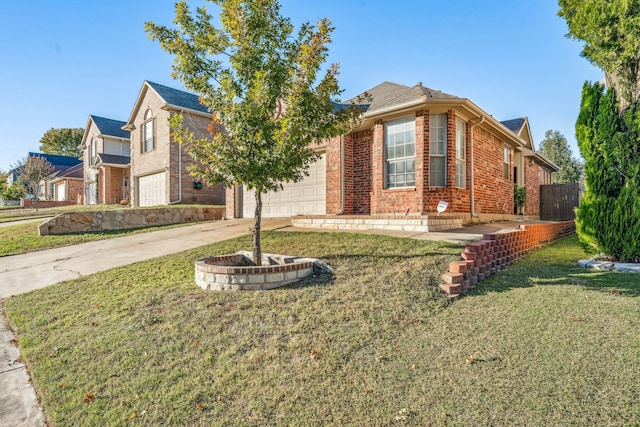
390 94
60 163
113 159
514 125
178 98
110 127
76 171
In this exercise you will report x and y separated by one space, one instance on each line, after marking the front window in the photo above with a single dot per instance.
147 132
437 150
92 151
400 153
507 163
461 154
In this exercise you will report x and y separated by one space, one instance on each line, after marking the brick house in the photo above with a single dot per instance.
414 148
60 165
68 185
159 165
106 161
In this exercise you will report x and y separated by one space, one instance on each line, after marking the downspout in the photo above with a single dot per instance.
472 176
341 211
179 169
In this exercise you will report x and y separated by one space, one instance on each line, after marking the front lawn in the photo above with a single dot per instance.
542 343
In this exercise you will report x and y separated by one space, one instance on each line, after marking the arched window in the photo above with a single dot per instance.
148 141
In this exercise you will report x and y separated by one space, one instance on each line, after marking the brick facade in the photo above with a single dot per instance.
533 180
168 155
364 163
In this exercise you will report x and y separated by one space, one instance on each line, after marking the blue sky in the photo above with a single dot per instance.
64 60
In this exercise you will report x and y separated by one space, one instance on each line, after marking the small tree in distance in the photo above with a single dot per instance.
63 142
555 148
37 169
261 83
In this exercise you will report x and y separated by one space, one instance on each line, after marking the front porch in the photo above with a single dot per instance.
422 223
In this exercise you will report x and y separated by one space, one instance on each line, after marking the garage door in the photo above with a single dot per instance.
151 189
307 197
60 192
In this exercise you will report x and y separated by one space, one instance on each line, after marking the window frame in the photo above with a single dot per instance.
443 138
407 160
148 126
506 158
461 153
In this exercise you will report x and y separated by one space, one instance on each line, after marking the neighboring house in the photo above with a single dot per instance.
106 161
413 148
159 165
60 165
68 185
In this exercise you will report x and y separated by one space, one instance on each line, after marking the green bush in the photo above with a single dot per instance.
608 220
15 192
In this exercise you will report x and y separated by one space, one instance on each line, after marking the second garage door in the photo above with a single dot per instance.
307 197
152 190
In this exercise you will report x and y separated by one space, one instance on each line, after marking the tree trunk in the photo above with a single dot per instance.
257 218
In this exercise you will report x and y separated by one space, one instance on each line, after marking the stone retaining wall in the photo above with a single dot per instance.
361 222
483 258
83 222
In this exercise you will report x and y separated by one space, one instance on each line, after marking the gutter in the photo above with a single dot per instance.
472 176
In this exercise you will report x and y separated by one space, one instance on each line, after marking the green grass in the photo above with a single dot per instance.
541 343
10 214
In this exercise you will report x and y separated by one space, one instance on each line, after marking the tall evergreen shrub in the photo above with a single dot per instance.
609 215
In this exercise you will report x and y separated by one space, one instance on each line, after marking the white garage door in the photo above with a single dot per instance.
60 192
151 190
307 197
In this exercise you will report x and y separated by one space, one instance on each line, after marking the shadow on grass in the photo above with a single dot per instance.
556 265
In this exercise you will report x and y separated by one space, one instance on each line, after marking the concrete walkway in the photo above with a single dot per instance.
24 273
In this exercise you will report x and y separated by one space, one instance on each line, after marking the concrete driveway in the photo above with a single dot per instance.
26 272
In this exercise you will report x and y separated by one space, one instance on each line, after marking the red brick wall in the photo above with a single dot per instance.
364 174
493 193
75 191
533 180
405 201
333 175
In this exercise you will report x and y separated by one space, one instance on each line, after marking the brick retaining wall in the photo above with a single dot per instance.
483 258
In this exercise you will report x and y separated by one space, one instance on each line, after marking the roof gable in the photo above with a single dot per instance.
388 95
110 127
172 98
520 127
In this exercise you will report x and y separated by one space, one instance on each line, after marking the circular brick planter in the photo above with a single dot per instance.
238 272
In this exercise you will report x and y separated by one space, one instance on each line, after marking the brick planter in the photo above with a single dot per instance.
237 271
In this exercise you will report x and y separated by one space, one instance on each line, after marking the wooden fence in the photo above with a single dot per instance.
558 201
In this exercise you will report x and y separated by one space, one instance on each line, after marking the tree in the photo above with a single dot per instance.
611 33
608 215
63 141
555 148
37 169
261 82
14 192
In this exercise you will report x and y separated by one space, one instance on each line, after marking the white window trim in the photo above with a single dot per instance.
461 129
149 120
432 154
387 185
